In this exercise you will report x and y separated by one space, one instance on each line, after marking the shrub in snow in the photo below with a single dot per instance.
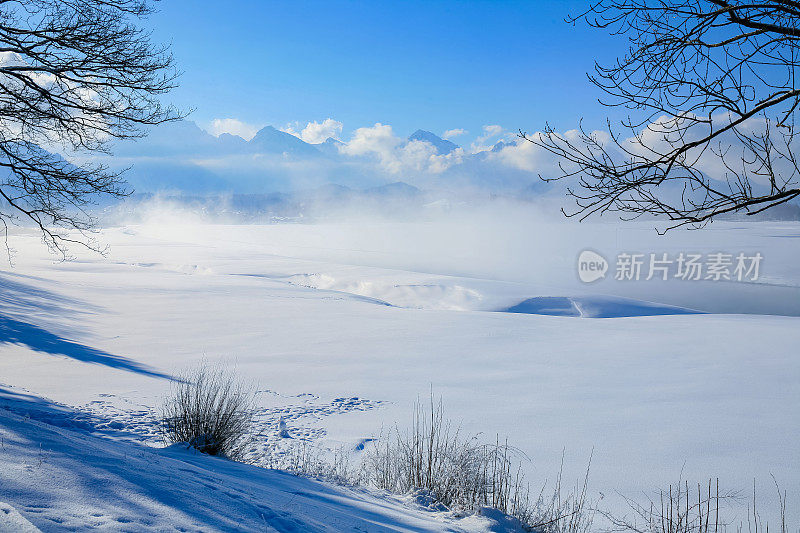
210 411
434 461
685 508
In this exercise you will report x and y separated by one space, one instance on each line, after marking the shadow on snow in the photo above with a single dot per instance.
19 301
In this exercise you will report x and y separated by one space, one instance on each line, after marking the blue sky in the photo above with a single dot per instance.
435 65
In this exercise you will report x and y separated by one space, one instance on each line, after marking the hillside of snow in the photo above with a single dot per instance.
64 470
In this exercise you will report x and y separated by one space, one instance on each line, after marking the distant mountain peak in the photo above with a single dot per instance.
499 145
442 146
396 189
329 146
269 131
231 138
272 140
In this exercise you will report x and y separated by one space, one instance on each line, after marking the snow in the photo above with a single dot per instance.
342 327
64 475
594 307
11 520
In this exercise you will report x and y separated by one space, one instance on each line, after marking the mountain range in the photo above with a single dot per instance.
278 173
182 157
186 137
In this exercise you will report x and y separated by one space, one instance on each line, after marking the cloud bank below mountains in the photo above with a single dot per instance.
233 156
278 174
183 159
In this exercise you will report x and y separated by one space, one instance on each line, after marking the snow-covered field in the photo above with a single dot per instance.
341 327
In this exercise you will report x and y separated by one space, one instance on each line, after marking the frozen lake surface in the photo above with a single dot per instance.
342 327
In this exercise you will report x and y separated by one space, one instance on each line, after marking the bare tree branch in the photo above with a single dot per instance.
74 76
711 90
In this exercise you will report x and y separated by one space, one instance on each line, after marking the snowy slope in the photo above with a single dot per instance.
59 473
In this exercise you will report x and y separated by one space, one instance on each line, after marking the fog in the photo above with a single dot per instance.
528 244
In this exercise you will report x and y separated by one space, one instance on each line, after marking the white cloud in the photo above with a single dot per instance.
317 132
523 155
655 137
489 132
416 155
395 155
449 134
234 127
292 128
379 140
440 163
